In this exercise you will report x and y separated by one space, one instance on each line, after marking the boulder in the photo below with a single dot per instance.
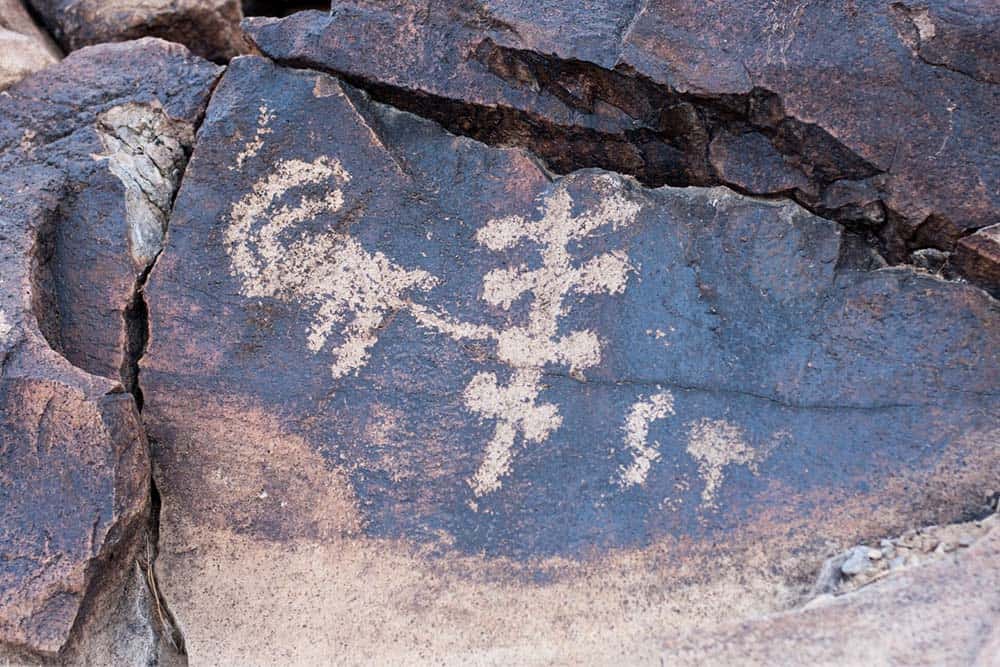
24 48
880 115
210 28
416 398
90 154
978 257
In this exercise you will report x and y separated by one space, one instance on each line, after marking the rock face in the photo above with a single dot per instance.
24 48
499 333
882 115
942 613
210 28
89 150
388 364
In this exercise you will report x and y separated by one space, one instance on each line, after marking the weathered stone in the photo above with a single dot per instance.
411 395
24 48
941 613
210 28
77 142
898 96
978 257
858 561
113 137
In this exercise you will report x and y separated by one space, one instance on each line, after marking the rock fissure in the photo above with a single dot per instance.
578 107
661 137
136 317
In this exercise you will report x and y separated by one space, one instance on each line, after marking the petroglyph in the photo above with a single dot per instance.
715 444
529 348
354 291
643 413
346 284
252 147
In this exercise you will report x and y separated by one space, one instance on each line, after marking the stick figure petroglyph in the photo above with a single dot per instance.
640 416
352 292
357 290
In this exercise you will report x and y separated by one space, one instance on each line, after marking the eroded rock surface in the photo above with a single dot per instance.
414 395
939 613
412 398
210 28
110 128
978 256
24 47
881 115
84 147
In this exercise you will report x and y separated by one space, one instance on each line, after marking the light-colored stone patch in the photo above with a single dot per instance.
325 86
382 602
145 150
925 26
21 54
715 444
347 285
5 327
643 413
252 147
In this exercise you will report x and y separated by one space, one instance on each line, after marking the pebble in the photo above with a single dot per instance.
857 562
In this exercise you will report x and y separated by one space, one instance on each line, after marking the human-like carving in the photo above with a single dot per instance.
353 291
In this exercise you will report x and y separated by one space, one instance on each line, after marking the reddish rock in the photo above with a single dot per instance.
210 28
843 93
978 258
24 48
78 145
408 390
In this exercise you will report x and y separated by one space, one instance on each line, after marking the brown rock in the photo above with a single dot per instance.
412 396
978 258
113 146
24 48
843 93
942 613
210 28
89 154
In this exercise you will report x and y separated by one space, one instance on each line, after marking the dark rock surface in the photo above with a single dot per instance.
368 334
210 28
882 115
658 310
88 150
